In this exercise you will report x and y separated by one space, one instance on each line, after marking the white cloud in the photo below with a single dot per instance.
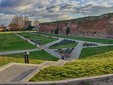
55 9
5 19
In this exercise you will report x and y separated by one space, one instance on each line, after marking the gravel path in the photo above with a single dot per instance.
27 40
52 52
19 51
52 43
77 50
16 73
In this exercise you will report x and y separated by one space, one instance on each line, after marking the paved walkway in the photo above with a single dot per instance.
16 73
75 53
28 40
19 51
77 50
45 47
52 43
52 52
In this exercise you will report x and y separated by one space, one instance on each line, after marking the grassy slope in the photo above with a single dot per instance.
97 65
98 40
88 52
44 40
69 45
11 42
36 57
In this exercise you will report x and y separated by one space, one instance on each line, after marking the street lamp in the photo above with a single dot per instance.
26 57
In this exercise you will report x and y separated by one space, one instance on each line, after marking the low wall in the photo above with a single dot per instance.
99 80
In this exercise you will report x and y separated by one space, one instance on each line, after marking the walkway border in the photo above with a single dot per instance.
97 80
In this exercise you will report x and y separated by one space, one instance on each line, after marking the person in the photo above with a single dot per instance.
87 44
62 57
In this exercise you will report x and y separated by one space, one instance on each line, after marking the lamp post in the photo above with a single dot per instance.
26 57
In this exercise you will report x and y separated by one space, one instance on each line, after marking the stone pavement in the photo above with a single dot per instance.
77 50
52 43
15 72
45 47
27 40
75 53
52 52
19 51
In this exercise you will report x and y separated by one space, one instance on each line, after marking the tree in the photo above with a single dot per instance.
56 30
67 30
13 26
29 27
51 31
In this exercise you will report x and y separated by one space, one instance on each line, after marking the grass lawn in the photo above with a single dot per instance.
88 52
92 66
11 42
69 45
36 57
42 39
98 40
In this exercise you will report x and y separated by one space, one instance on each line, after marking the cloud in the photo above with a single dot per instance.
94 10
5 19
55 9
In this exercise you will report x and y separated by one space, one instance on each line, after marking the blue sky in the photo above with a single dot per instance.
52 10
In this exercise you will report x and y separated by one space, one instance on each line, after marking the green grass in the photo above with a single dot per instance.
92 66
43 39
69 45
5 60
88 52
11 42
36 57
98 40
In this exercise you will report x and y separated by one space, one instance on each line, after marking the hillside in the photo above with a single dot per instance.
91 26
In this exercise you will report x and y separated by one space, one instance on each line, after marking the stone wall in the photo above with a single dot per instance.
100 26
99 80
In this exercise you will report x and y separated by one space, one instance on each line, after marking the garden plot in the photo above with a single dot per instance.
64 44
38 39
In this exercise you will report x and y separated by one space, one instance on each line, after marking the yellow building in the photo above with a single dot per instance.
2 28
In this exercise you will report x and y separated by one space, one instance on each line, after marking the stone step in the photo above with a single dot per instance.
16 72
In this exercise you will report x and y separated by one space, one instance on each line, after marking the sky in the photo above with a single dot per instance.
52 10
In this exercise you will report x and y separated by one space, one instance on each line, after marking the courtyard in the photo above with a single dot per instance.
46 53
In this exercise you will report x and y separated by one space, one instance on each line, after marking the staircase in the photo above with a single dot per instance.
16 72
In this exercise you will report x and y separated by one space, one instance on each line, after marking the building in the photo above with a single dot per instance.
2 27
35 23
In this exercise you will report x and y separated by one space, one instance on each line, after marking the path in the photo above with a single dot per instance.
27 40
75 53
52 52
24 72
45 47
19 51
15 72
52 43
77 50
